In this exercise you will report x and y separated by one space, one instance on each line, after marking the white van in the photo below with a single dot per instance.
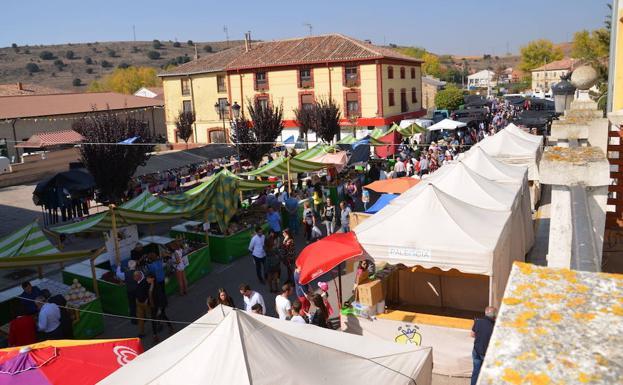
5 165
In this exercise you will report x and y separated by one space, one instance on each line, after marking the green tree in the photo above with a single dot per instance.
88 61
207 48
46 55
255 138
328 119
306 120
126 80
591 46
537 53
449 99
76 82
156 44
70 55
153 55
32 68
177 44
416 52
184 125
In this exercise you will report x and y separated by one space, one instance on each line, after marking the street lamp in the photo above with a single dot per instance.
563 93
220 109
235 108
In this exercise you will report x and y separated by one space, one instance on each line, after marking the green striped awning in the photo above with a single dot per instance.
219 198
29 240
317 150
279 167
411 130
348 139
38 260
246 184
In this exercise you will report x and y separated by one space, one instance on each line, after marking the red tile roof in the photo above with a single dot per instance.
15 89
64 104
564 64
46 139
306 50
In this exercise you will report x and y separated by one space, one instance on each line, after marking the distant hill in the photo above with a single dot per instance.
13 61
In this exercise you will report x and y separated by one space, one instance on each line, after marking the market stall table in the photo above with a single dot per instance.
188 231
227 248
85 325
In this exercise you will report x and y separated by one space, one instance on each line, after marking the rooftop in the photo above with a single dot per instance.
564 64
12 107
19 88
557 326
297 51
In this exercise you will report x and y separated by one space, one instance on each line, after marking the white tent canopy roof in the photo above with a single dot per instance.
513 129
447 124
506 144
433 229
234 347
487 166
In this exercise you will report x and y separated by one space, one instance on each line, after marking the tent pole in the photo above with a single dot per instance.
205 220
339 275
95 287
113 221
490 290
289 177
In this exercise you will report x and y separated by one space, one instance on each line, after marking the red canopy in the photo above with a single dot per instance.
392 139
325 254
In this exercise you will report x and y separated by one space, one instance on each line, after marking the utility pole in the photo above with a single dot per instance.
134 32
226 30
308 25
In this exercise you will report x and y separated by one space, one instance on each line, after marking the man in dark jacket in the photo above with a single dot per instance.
481 331
130 286
67 324
142 301
158 304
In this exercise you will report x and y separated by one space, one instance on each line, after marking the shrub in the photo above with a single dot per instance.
207 48
88 60
156 44
123 65
135 49
32 67
58 63
106 64
46 55
112 53
153 55
70 55
190 42
89 70
177 44
14 45
76 82
27 51
449 99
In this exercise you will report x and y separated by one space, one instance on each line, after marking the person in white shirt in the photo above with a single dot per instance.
256 247
282 303
400 168
296 313
251 298
49 321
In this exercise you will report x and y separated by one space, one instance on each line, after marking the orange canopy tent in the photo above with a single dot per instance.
392 186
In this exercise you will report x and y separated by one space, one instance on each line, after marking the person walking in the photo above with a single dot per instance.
274 220
158 305
181 262
130 286
481 332
256 247
302 291
344 217
273 263
329 217
292 209
399 168
309 220
251 298
287 253
142 301
224 298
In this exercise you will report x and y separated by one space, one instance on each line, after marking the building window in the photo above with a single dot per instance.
390 99
305 78
261 81
222 102
351 76
390 72
307 101
263 100
220 83
187 106
186 86
402 72
217 136
404 106
412 73
413 95
352 104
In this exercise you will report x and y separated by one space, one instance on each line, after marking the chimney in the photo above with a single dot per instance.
19 86
247 41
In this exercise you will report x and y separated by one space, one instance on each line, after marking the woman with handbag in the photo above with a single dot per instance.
328 216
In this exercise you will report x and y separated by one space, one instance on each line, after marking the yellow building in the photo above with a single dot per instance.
617 54
375 86
544 77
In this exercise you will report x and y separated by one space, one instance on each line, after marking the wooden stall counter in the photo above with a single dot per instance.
428 319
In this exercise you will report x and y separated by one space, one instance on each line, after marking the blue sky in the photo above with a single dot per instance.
442 26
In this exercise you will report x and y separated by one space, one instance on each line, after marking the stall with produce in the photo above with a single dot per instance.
85 306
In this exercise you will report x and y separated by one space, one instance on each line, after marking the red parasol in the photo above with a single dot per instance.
322 256
392 186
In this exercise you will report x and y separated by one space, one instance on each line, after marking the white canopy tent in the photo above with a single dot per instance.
229 346
447 124
513 129
434 230
511 149
459 181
